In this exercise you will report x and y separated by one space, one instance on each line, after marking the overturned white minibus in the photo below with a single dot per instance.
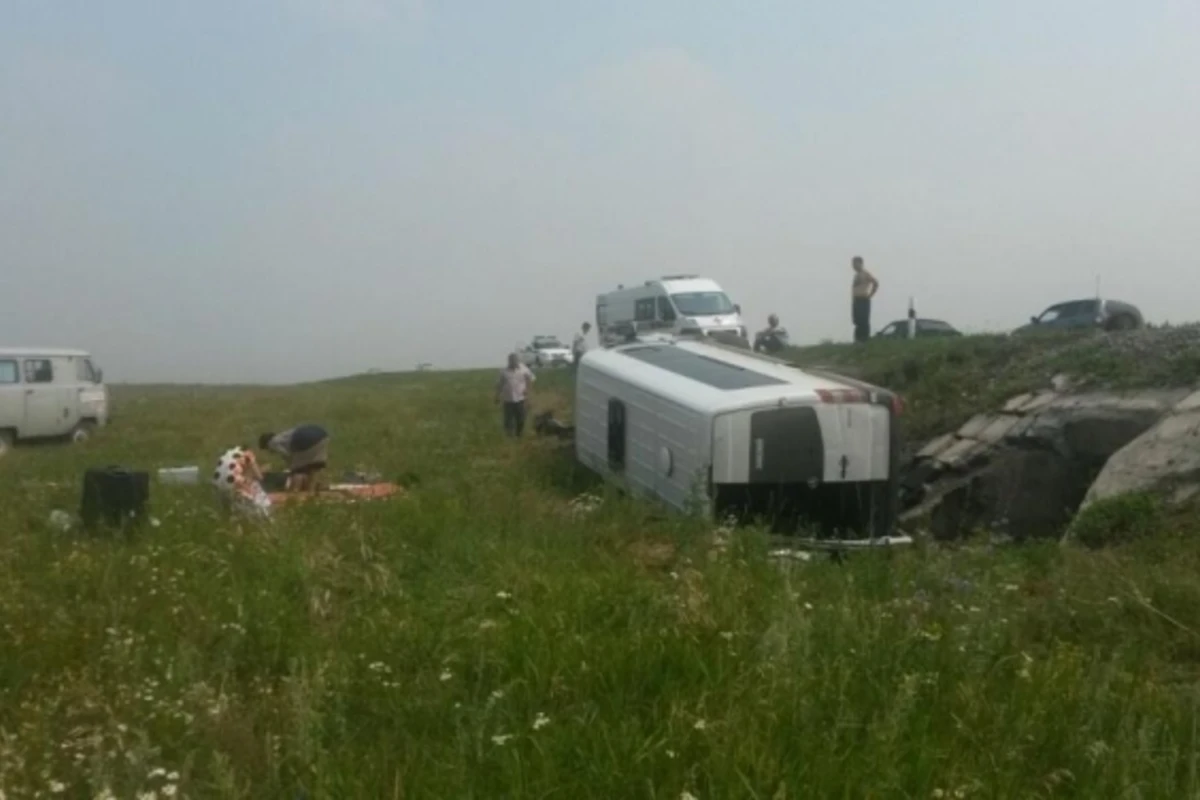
706 427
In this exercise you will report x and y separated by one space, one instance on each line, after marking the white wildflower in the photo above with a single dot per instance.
487 624
700 725
168 790
1097 751
157 773
686 795
173 777
1024 673
501 739
671 754
808 606
498 694
151 795
57 787
445 676
727 635
503 595
540 721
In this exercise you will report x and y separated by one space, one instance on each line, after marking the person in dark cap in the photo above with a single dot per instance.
306 449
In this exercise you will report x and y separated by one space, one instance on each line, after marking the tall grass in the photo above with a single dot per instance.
486 637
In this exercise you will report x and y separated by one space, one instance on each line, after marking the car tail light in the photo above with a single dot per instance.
842 395
895 401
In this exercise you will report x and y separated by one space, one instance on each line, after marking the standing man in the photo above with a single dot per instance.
579 346
511 389
306 448
862 290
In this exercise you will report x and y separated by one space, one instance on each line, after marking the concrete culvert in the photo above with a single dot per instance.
1026 470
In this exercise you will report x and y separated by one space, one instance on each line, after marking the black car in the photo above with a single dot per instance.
926 329
1110 315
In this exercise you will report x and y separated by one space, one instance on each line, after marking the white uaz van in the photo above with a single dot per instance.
47 393
677 304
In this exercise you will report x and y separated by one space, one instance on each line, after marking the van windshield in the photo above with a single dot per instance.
702 304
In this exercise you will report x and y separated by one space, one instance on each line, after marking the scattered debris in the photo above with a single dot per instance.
854 544
545 424
791 554
361 475
584 504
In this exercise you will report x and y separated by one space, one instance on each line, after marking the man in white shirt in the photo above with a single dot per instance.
512 389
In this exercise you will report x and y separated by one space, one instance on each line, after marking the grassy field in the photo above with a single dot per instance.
489 635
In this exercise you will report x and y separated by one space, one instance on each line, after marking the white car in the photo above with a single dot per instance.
545 351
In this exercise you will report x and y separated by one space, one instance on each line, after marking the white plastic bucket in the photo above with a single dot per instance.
179 475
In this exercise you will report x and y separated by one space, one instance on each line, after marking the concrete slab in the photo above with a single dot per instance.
998 429
1015 403
1184 426
974 426
1021 428
1040 400
936 446
961 452
1189 403
1150 400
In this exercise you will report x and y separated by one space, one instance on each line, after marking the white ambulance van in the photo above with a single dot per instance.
675 304
47 393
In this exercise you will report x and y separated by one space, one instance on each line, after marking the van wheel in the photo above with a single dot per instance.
6 442
82 432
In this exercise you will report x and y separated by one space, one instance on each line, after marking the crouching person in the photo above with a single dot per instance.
306 450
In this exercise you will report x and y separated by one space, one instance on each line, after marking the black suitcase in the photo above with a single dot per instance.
114 496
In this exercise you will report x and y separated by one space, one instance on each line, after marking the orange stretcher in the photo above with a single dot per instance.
339 493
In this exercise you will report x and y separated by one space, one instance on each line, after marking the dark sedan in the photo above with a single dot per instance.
926 329
1109 315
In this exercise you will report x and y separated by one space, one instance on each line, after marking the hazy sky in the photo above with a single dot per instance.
277 190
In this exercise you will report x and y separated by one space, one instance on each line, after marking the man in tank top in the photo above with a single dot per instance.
862 289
